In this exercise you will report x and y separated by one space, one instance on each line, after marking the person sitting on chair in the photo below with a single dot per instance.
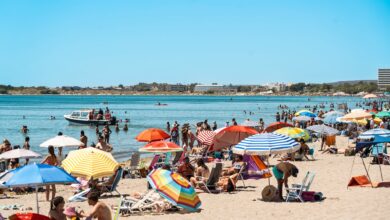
201 174
186 169
237 164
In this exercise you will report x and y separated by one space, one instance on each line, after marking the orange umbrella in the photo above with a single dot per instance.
277 125
152 134
160 147
232 135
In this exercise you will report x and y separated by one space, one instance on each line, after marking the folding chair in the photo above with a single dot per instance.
134 165
113 188
213 178
295 192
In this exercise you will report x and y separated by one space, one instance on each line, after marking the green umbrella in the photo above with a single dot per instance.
383 114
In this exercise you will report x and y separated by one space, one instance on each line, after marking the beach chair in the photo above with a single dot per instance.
213 178
113 188
80 197
134 165
130 205
253 168
296 190
177 157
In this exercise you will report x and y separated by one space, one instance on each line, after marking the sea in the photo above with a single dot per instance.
35 111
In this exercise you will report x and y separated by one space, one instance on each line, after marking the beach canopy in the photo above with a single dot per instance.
232 135
62 141
293 132
265 144
160 147
323 129
356 115
370 96
383 114
249 123
19 153
277 125
152 134
301 118
305 113
175 188
90 163
206 137
379 135
35 175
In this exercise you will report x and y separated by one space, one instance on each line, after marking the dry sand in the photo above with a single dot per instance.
332 176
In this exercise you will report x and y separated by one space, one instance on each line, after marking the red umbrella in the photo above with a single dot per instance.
28 216
206 137
277 125
160 147
232 135
152 134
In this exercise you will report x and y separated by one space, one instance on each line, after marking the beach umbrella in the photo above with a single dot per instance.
232 135
305 113
90 163
293 132
35 175
160 147
277 125
28 216
175 188
249 123
206 137
332 118
356 115
382 114
370 96
152 134
62 141
266 144
301 118
379 135
19 153
323 129
337 113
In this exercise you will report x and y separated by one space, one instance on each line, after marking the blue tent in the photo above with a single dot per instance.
35 175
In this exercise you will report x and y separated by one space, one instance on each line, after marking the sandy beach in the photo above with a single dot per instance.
332 176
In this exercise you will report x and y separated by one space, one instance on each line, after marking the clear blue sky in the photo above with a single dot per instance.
90 43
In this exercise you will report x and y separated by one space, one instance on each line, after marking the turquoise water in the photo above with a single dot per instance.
141 110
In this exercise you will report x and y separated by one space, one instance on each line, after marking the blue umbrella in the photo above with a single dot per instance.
332 118
35 175
308 114
265 144
379 135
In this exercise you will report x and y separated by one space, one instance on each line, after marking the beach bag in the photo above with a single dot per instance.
308 196
349 152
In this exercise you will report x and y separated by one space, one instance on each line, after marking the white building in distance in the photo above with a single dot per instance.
383 78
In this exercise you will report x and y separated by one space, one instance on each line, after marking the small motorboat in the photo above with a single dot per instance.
89 117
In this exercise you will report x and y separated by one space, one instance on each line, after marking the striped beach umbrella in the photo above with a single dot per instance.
175 188
265 144
160 147
90 163
206 137
294 132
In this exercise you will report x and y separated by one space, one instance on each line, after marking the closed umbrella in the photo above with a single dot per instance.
152 134
277 125
19 153
206 137
293 132
175 188
35 175
323 129
266 144
90 163
232 135
160 147
62 141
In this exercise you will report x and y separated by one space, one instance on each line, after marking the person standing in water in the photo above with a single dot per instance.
26 146
83 139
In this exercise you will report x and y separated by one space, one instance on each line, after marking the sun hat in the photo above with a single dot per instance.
70 212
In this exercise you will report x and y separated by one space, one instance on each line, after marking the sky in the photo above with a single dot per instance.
101 43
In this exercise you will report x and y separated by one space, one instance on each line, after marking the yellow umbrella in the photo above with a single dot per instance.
293 132
356 115
90 163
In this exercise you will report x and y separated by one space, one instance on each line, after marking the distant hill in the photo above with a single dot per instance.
353 82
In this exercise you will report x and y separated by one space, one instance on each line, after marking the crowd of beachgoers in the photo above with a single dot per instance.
199 159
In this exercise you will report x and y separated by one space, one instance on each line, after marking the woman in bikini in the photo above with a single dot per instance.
50 159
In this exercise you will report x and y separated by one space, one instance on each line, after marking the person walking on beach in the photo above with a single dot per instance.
100 210
26 146
282 171
83 139
50 159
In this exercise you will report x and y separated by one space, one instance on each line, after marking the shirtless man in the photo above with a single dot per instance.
102 145
100 210
282 171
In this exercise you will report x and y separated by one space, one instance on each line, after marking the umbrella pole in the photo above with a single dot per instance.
368 175
379 164
36 197
269 179
353 163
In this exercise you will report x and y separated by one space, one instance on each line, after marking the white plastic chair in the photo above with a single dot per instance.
295 192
